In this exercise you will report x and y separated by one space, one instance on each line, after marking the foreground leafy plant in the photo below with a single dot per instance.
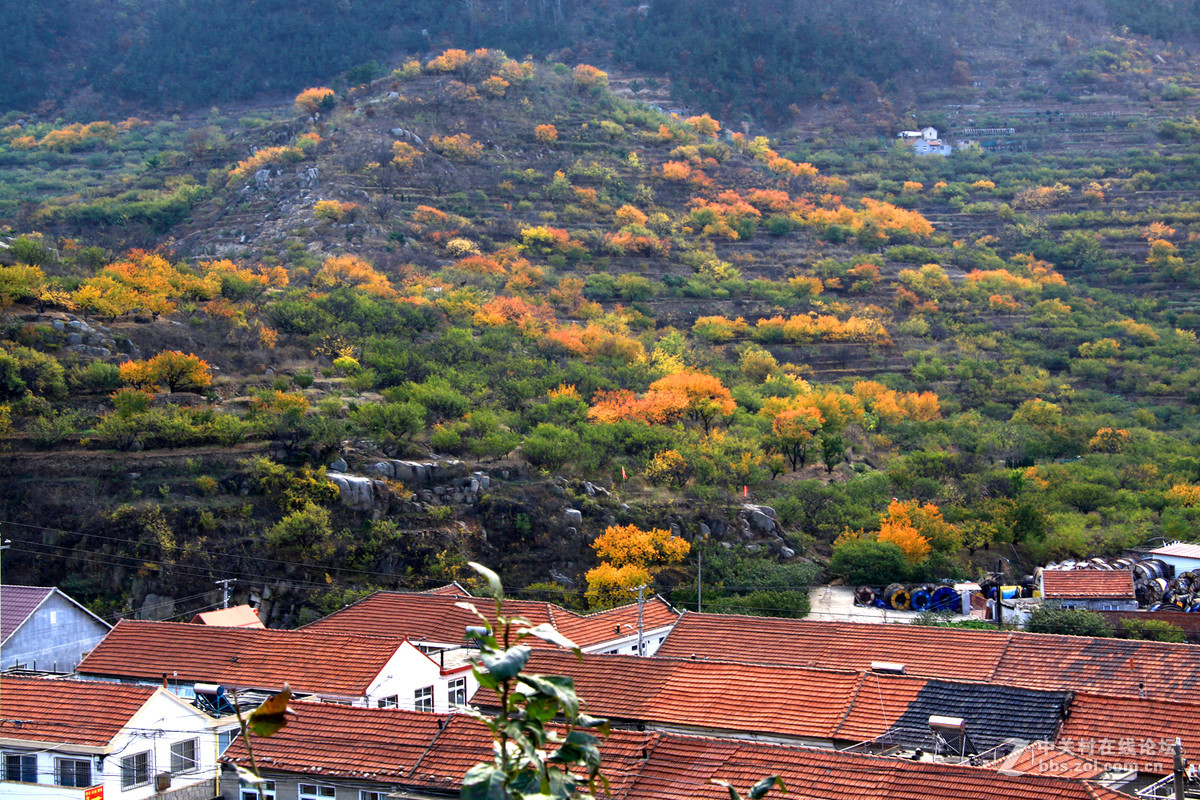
532 759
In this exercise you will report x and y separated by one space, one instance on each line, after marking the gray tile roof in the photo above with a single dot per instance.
17 603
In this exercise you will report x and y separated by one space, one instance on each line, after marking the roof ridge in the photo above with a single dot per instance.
862 679
432 743
651 745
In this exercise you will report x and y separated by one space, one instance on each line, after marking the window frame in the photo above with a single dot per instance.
23 770
363 794
456 691
320 791
248 792
423 699
193 759
129 773
60 762
391 701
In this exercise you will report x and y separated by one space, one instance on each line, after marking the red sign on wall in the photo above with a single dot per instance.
94 793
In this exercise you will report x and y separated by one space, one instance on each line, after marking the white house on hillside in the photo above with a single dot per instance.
61 738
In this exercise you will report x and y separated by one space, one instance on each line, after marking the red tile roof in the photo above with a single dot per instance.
682 768
87 713
638 765
718 696
17 603
435 618
1124 730
1027 660
326 739
1044 758
317 663
1087 584
242 616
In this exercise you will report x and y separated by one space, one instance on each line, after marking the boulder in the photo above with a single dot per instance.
574 516
357 492
339 465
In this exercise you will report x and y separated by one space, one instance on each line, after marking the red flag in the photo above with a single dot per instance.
624 477
745 491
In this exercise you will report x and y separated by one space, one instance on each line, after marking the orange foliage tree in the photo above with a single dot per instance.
175 369
546 134
318 98
588 78
630 557
707 398
794 430
352 272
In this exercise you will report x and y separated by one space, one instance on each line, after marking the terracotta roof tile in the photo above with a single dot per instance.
1027 660
777 701
66 711
1044 758
17 603
435 618
1087 584
342 741
383 745
681 768
1124 730
318 663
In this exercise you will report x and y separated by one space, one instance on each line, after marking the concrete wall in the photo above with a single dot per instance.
287 786
55 637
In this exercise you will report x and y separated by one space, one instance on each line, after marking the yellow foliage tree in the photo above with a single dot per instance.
629 558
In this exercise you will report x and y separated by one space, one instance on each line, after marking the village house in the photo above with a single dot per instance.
354 670
1180 556
330 753
434 621
1113 667
1091 589
811 706
925 142
43 629
60 738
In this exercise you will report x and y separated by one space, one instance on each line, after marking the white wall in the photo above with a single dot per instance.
410 670
164 720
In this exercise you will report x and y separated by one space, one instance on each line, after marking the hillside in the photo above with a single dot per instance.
529 311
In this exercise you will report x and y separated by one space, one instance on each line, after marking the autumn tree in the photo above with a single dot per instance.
352 272
589 79
630 557
172 368
318 98
707 398
793 431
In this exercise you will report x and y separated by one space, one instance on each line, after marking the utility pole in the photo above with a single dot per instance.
225 591
640 650
699 580
999 595
4 543
1180 770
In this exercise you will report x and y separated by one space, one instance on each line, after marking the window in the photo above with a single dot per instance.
135 770
392 701
371 796
20 767
423 699
75 772
225 738
311 791
183 757
458 691
249 792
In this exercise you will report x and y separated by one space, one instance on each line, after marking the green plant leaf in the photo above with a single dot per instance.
546 632
495 588
560 687
483 782
507 664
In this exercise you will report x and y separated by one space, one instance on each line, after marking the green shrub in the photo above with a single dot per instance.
868 562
